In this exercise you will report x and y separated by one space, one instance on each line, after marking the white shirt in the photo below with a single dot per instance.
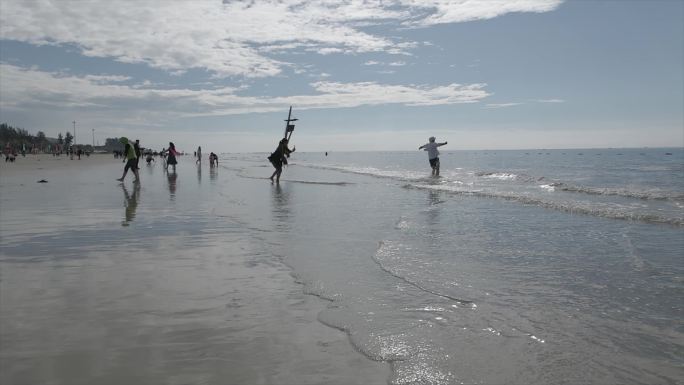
431 148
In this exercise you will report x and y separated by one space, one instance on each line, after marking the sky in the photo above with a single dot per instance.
365 75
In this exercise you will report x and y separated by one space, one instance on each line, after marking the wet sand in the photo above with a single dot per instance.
178 280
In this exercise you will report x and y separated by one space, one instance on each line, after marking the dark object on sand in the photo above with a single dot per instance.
42 181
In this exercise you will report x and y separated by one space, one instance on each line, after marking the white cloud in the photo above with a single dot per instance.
328 51
458 11
234 37
103 79
371 93
502 105
25 89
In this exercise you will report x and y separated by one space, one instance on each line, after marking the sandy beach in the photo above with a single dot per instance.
178 280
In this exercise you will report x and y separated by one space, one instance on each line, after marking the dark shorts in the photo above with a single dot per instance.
131 163
277 161
434 162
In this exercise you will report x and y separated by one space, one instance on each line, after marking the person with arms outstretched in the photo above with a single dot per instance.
433 154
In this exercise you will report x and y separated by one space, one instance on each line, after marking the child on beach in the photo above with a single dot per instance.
171 156
279 157
433 154
131 160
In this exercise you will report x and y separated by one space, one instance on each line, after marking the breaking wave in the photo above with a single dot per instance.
495 184
613 211
645 195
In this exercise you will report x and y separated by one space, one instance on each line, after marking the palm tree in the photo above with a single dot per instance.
40 140
67 139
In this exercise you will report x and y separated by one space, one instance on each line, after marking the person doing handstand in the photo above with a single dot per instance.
433 154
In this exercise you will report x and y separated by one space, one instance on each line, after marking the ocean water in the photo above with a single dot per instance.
513 267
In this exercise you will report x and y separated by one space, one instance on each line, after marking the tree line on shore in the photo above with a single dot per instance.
19 139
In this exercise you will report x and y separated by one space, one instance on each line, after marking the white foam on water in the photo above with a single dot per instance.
500 176
612 210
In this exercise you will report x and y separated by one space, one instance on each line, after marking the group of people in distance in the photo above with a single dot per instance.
278 158
133 152
213 158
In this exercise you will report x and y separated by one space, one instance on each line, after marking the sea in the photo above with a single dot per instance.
510 267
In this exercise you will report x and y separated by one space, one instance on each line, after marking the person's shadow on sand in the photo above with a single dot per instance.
130 203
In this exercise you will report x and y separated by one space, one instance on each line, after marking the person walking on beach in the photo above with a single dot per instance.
279 157
138 153
171 156
213 160
130 159
199 155
433 154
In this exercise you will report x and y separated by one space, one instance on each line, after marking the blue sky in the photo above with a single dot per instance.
360 75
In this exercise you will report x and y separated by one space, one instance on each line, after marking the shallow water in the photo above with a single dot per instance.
516 267
484 275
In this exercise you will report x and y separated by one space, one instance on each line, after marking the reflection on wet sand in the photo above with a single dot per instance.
176 295
199 173
213 173
434 198
172 176
281 207
130 203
